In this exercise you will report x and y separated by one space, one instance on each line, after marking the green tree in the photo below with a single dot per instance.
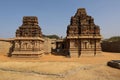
51 36
113 39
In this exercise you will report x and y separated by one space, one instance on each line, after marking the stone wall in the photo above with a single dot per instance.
4 47
47 45
111 46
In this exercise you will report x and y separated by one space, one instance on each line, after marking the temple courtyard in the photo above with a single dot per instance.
54 67
30 56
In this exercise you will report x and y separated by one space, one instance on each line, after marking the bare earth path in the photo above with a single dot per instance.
50 67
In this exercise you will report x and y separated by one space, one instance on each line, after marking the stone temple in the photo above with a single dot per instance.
28 41
83 36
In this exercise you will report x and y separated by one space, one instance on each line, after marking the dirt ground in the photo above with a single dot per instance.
51 67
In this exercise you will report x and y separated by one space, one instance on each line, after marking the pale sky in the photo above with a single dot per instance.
54 15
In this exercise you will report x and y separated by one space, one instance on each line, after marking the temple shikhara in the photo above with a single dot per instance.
83 36
28 41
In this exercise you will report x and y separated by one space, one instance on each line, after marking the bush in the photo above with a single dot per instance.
113 39
52 36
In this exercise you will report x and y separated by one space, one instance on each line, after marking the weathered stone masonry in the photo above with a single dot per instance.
28 41
83 36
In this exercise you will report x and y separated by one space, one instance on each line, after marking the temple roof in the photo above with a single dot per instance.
29 27
81 11
30 20
82 24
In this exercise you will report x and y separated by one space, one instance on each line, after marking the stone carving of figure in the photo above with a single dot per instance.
17 45
23 46
29 45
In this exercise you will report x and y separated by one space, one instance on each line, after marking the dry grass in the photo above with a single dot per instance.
4 47
50 67
39 67
56 71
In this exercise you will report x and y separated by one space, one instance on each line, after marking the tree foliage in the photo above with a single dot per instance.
113 39
51 36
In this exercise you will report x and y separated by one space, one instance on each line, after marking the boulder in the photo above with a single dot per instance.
114 63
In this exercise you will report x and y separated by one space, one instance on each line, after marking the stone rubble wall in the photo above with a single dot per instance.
47 45
4 47
111 46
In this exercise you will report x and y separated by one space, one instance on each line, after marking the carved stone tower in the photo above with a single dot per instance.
83 36
28 41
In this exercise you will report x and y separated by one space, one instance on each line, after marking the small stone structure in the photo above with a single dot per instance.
28 41
83 36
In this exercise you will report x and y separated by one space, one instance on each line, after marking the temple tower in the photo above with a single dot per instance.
28 41
83 36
